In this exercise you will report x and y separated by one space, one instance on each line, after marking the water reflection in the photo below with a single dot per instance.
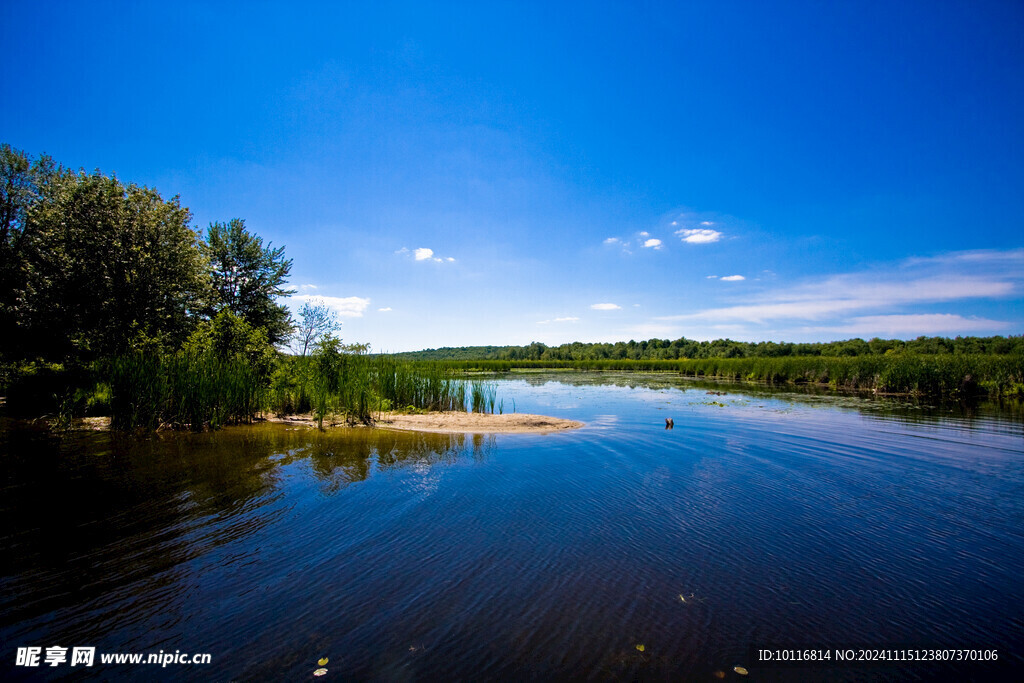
106 521
760 517
909 409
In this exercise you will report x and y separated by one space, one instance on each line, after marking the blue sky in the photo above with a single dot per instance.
450 174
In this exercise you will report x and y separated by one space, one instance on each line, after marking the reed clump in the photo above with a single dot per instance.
953 375
182 390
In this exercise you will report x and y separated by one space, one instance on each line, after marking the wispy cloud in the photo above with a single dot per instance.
424 254
882 301
307 288
699 235
910 324
345 307
643 239
986 257
567 319
605 307
732 278
704 227
847 293
385 309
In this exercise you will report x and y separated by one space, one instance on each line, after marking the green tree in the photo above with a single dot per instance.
247 278
22 183
315 320
97 266
228 337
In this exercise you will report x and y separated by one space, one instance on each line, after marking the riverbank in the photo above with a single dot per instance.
455 422
442 422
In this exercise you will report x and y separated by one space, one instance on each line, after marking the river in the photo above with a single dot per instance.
763 520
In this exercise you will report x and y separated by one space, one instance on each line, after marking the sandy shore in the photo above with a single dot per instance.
456 423
442 422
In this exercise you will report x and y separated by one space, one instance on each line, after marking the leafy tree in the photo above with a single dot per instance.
22 182
247 278
227 337
316 319
96 265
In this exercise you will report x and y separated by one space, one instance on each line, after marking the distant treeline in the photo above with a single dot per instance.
961 375
682 348
934 366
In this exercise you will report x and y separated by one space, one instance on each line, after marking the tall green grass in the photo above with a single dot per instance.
951 375
183 390
357 388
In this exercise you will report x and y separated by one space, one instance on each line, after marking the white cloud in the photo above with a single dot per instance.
653 243
612 240
707 223
306 288
425 254
385 309
699 236
711 277
645 234
558 320
848 293
605 307
733 278
345 307
911 324
980 256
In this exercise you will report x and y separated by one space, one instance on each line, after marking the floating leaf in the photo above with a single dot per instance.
740 670
320 672
322 662
640 647
719 674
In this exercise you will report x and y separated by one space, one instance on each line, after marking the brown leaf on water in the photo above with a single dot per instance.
740 670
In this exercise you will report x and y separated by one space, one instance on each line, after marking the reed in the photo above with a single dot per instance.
356 387
191 390
950 374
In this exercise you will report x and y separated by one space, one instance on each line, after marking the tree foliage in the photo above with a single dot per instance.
247 278
316 319
92 265
229 338
682 348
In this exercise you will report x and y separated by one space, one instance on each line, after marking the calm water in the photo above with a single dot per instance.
777 518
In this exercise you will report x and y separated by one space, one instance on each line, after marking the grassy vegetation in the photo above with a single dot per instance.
949 375
201 390
683 348
183 390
